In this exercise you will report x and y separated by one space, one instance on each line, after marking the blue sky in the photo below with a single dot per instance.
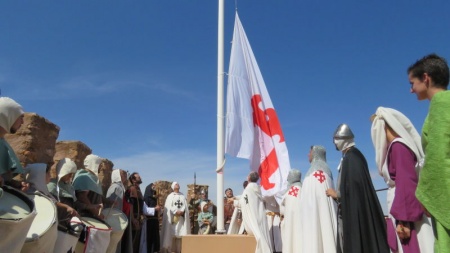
136 81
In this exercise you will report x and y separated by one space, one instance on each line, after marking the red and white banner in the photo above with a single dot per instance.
253 130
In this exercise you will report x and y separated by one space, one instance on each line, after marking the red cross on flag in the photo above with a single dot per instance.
253 130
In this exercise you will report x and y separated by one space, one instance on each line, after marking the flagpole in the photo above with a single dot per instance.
220 119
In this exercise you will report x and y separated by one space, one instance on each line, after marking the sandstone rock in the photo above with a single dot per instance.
163 189
75 150
35 140
104 174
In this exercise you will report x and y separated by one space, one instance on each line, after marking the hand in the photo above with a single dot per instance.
24 186
331 193
157 208
403 231
72 212
180 213
95 209
136 223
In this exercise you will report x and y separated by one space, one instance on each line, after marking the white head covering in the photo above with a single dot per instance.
65 166
202 204
37 177
92 163
116 178
402 126
173 185
10 111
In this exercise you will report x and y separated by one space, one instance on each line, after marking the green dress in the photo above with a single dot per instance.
433 190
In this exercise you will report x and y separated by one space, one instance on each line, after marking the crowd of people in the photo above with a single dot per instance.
318 217
313 216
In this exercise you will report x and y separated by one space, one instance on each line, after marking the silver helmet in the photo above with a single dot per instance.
343 131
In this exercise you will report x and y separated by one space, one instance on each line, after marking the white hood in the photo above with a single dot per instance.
92 163
116 178
10 111
402 126
65 166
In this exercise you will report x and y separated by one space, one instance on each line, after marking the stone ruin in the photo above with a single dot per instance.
75 150
36 142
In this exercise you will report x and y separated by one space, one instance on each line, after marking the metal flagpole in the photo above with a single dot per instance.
220 119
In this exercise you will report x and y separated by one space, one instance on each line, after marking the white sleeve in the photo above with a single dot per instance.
149 211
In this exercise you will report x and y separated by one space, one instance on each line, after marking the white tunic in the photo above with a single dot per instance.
318 214
254 217
273 221
236 225
291 224
173 226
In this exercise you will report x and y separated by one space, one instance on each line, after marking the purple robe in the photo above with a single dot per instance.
405 206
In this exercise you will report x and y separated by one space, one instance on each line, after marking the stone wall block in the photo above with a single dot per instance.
34 142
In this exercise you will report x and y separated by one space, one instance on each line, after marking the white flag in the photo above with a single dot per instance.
252 127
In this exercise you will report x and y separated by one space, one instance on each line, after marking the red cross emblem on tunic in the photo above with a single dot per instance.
319 175
293 191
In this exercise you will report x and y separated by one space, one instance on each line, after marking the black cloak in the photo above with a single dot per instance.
151 199
364 226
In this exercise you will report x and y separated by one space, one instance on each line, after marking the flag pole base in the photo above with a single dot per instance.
221 232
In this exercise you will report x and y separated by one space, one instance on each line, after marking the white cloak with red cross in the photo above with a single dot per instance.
318 213
291 223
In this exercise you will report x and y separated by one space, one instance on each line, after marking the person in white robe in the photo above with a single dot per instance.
254 215
318 212
175 220
273 221
236 224
388 127
290 211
